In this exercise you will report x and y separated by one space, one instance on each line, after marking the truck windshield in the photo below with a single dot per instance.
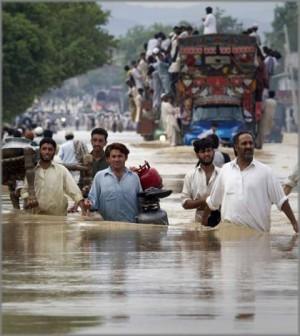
218 113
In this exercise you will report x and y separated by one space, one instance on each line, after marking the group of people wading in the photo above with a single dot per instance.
242 190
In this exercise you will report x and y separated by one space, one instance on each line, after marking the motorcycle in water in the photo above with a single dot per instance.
151 182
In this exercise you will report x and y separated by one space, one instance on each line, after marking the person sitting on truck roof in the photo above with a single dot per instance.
209 22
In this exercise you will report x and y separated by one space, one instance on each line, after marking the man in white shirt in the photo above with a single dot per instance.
199 182
247 188
209 22
71 153
52 182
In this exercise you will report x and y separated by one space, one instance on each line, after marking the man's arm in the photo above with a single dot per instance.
290 215
186 195
287 189
194 204
72 190
215 198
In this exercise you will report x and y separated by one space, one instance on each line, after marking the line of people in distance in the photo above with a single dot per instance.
243 190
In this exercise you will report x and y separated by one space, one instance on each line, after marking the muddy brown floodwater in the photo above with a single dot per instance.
78 276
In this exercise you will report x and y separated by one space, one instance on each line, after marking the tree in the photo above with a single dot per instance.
284 15
47 43
227 24
133 43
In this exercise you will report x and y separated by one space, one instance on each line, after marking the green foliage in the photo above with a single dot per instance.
227 24
133 43
284 15
47 43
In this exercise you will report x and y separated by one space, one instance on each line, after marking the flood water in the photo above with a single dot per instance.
78 276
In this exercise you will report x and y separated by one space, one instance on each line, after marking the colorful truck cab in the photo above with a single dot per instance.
219 75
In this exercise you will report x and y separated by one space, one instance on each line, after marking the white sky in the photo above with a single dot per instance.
177 4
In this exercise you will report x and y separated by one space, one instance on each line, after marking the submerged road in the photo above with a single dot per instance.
73 275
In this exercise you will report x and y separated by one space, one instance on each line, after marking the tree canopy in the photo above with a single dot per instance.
226 24
132 44
47 43
286 14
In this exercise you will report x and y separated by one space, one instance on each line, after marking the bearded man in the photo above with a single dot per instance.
198 183
246 188
52 182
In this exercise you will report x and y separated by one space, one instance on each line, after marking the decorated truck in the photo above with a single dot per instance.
220 80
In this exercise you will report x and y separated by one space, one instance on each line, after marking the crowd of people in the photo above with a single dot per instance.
50 115
152 78
240 191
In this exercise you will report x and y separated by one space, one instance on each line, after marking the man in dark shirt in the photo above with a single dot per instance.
98 141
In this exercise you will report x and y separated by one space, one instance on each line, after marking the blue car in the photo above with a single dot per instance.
229 120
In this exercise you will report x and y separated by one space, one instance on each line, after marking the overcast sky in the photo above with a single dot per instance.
125 15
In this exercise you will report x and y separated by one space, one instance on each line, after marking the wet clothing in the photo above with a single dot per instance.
51 186
196 187
247 196
116 200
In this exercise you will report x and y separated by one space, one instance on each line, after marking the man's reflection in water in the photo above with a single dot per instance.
118 251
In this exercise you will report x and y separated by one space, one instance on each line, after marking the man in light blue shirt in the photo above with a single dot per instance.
114 191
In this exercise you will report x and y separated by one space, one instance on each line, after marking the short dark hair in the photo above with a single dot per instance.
201 144
272 94
69 136
214 139
48 133
118 146
208 10
100 131
236 137
48 141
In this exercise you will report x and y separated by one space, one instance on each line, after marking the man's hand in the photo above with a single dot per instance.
85 205
73 208
30 203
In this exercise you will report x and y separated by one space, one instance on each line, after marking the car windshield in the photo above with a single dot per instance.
218 113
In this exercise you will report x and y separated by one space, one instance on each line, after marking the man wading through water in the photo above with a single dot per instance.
52 182
247 188
199 182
